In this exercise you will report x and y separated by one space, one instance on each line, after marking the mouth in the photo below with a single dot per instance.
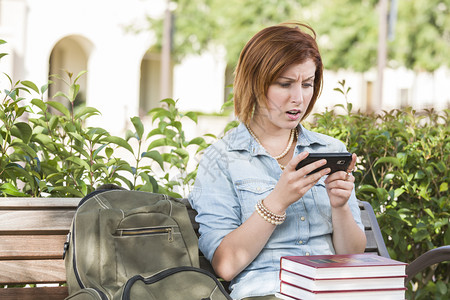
293 114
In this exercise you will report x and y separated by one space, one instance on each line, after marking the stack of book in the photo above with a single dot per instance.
354 276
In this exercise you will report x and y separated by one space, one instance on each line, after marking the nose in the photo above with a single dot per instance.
297 94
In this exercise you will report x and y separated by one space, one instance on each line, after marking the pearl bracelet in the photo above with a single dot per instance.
269 216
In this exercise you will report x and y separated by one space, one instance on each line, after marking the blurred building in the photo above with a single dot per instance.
123 74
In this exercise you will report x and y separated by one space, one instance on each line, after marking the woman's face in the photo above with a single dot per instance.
288 97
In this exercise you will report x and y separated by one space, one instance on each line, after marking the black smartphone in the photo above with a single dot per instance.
338 161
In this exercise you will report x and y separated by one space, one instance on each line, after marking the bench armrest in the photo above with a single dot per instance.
427 259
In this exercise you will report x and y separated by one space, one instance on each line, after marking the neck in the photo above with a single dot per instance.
277 143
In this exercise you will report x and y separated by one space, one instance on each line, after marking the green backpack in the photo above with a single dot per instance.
135 245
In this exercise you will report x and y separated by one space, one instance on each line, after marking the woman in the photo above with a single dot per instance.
253 205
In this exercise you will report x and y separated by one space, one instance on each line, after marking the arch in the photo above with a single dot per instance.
150 82
69 54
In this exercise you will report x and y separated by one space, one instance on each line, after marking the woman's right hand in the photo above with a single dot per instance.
293 184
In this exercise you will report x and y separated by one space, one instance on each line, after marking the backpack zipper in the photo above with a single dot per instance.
147 231
165 273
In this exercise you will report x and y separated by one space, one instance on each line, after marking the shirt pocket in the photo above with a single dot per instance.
321 199
250 191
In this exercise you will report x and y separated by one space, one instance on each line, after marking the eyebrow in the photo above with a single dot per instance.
289 78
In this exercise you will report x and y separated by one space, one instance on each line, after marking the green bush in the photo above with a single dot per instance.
402 170
46 149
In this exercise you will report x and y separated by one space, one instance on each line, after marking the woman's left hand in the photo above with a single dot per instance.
339 185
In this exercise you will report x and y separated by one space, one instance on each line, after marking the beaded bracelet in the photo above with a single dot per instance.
269 216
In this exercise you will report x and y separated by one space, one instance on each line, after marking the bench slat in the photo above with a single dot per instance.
365 219
27 221
32 271
33 203
371 245
31 246
39 293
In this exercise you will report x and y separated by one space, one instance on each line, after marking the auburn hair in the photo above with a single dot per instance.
265 57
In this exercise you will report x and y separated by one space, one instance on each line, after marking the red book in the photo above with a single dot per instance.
342 284
343 266
291 292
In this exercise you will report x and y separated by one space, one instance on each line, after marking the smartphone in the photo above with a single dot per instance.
338 161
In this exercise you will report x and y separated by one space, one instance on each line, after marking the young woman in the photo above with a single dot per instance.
253 205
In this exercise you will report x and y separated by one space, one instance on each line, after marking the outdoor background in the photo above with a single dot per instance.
107 115
120 45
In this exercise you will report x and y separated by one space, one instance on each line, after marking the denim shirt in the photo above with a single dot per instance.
234 173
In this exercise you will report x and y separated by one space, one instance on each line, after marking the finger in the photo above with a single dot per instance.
308 168
296 159
348 177
340 176
341 184
352 165
314 177
340 193
310 180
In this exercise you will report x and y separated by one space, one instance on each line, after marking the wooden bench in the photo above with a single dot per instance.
33 232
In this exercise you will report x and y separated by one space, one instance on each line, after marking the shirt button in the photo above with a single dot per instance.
307 253
258 189
302 218
300 242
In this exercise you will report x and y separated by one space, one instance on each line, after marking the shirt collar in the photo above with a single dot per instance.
307 137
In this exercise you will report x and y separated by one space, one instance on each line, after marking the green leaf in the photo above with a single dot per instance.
25 148
231 125
59 107
429 212
61 94
156 156
42 139
98 150
39 103
21 172
130 135
44 88
160 113
398 192
79 162
150 182
87 111
79 75
192 115
182 153
161 143
442 288
420 235
169 101
109 151
119 142
138 126
23 131
53 122
390 160
197 141
69 191
73 91
30 85
443 187
9 189
77 136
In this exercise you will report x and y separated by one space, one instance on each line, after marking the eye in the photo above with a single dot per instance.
284 84
307 84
